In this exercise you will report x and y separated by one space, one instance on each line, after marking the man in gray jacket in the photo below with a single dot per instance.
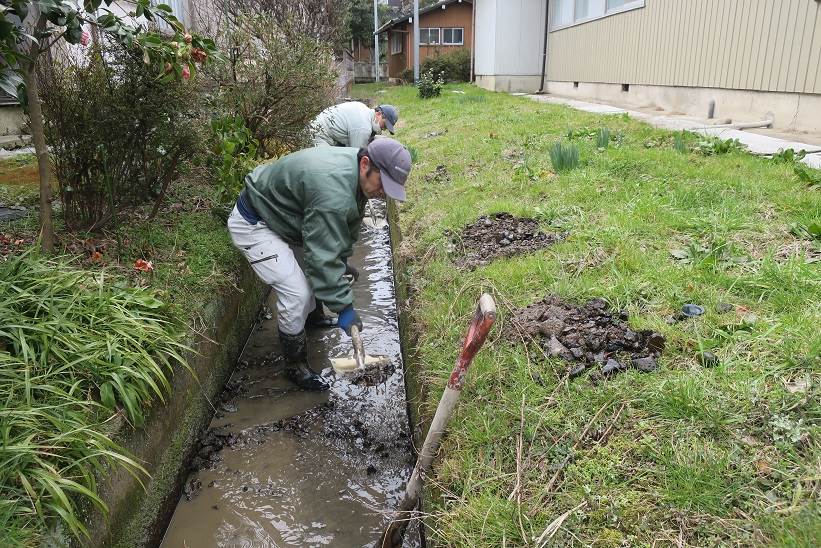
352 124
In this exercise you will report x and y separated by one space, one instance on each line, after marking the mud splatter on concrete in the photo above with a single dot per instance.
500 235
590 335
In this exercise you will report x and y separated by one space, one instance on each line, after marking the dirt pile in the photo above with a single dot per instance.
590 335
439 176
500 235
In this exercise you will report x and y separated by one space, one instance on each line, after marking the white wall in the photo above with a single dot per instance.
519 37
485 32
509 36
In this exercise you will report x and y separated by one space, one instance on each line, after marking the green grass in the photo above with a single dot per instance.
721 456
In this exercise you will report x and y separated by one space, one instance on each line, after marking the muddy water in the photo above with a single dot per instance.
300 468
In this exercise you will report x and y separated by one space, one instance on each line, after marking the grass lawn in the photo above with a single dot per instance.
692 456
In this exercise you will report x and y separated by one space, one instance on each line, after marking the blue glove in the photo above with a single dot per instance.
348 318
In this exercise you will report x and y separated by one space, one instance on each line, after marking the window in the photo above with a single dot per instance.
429 36
453 36
397 39
571 12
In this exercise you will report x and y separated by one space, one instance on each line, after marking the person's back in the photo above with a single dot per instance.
348 124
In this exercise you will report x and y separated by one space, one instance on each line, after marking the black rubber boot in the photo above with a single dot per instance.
318 319
295 350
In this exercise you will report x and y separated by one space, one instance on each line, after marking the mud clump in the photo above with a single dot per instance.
500 235
588 335
439 176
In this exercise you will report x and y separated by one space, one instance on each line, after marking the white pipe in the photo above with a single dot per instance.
375 41
415 40
740 125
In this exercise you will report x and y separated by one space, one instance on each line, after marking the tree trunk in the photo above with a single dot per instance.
38 137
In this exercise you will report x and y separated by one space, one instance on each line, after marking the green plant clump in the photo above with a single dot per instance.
603 138
236 147
564 157
454 66
75 351
430 85
712 146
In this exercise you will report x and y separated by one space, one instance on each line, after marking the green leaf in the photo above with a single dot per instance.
107 396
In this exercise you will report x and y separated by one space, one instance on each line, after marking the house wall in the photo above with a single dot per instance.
762 45
485 54
455 15
509 45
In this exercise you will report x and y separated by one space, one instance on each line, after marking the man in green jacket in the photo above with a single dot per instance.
314 199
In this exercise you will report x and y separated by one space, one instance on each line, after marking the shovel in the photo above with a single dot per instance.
479 328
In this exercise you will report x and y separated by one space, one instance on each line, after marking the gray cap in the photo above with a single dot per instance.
394 164
391 115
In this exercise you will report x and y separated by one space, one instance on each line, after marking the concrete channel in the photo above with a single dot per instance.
283 467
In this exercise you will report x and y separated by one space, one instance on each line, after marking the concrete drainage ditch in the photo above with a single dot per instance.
279 466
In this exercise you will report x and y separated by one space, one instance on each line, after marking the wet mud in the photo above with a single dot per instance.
279 466
591 336
500 235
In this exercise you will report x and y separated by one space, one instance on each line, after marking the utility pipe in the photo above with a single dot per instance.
415 40
472 39
544 45
375 41
739 125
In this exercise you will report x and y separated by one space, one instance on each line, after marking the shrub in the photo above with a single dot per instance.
564 157
236 150
277 79
430 85
406 75
455 65
117 134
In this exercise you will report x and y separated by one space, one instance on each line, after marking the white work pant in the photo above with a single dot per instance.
274 262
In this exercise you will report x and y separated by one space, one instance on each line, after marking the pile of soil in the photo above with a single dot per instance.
500 235
589 335
439 176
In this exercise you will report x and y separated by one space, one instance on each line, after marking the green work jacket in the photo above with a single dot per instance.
312 199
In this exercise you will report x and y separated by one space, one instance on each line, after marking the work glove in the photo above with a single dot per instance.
348 318
351 271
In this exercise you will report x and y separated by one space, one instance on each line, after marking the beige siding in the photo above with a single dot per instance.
768 45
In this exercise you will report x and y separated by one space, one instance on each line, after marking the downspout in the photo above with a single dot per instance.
472 40
544 46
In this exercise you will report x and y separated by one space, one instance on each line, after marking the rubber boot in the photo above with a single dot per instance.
295 350
318 319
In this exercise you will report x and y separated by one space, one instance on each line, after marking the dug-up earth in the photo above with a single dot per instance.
590 335
500 235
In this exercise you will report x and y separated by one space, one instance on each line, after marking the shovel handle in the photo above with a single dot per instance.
358 347
480 325
479 328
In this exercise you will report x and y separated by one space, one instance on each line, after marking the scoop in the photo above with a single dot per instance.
362 368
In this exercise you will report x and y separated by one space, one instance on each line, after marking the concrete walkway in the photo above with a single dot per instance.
756 143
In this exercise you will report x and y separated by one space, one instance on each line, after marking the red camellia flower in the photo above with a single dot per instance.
143 266
188 38
186 72
85 38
